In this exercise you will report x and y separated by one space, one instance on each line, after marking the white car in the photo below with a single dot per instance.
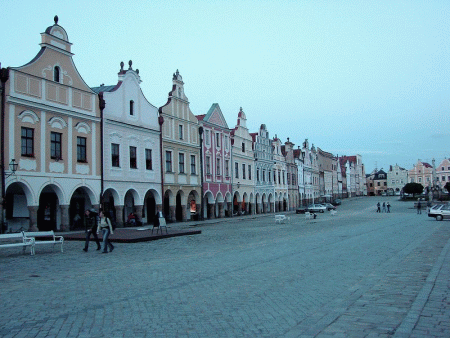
440 211
317 208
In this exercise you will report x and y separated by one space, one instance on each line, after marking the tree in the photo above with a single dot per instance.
447 187
413 188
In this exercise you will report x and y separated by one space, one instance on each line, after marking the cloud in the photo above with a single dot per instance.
440 135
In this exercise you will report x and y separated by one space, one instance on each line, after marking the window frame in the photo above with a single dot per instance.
55 146
28 140
148 159
81 150
193 166
133 157
115 156
181 163
168 161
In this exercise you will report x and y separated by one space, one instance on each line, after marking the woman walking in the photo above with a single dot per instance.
105 226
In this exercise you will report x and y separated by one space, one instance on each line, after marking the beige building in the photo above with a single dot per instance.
243 167
397 177
51 124
180 156
422 172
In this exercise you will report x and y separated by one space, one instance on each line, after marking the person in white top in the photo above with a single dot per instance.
106 227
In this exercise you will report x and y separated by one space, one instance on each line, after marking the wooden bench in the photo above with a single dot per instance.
15 240
46 237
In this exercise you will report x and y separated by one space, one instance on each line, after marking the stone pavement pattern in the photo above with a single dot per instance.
356 274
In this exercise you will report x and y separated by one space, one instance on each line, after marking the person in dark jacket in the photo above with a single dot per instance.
91 223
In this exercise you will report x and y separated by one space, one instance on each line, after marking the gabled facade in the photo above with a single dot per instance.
443 173
180 156
264 185
291 174
279 176
299 162
422 172
131 150
377 182
52 130
327 163
311 172
397 177
216 154
243 167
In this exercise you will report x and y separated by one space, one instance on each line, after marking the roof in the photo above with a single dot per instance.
200 117
427 165
103 88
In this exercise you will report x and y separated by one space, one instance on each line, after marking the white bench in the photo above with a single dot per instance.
333 212
17 239
47 237
281 219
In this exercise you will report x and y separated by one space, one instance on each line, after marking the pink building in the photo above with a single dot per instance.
216 154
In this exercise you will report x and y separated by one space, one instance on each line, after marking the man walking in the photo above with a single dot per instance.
419 207
91 223
378 207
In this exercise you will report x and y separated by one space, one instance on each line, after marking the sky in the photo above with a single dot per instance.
352 77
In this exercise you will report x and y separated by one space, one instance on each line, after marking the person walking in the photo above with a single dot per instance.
388 207
378 207
106 227
90 224
419 207
384 207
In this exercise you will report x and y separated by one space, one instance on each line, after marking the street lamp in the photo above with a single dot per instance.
12 167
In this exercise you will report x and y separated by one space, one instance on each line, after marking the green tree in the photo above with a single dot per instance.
413 188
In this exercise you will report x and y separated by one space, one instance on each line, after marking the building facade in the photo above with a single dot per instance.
243 168
264 185
51 123
279 176
422 172
216 154
397 177
180 156
131 150
291 174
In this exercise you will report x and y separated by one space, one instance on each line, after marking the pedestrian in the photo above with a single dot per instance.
384 207
419 207
428 206
105 225
90 224
388 207
378 207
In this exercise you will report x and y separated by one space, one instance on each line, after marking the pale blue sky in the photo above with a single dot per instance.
367 77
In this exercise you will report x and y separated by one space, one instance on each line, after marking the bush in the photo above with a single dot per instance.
413 188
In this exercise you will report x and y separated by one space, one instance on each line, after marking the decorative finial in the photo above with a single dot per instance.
56 19
130 63
121 66
240 109
288 139
137 71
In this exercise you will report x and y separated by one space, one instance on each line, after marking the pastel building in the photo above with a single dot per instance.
180 155
131 149
264 184
279 176
216 152
243 167
51 129
422 172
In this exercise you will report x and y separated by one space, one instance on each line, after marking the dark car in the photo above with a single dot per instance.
300 210
336 202
329 206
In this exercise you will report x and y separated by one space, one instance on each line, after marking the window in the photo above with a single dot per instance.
81 149
236 170
263 175
55 145
284 182
56 72
257 174
168 161
227 168
249 172
208 165
243 171
371 185
148 159
288 178
226 144
443 169
181 163
180 131
243 147
270 176
133 158
437 179
218 166
207 138
193 164
279 178
131 107
27 141
115 159
217 140
293 179
443 178
385 184
378 183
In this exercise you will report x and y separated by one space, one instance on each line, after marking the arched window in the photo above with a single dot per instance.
131 107
56 74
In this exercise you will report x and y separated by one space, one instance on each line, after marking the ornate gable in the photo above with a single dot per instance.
215 116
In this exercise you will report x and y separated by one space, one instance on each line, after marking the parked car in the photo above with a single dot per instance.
316 208
329 206
336 202
300 210
440 211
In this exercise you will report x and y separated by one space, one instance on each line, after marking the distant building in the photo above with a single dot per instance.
291 174
397 177
279 176
422 172
443 173
377 182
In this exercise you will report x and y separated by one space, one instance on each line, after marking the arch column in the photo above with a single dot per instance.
183 213
172 214
33 218
119 215
65 226
253 208
211 213
221 211
271 207
230 209
258 208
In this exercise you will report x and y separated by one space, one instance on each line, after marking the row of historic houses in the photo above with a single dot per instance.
68 147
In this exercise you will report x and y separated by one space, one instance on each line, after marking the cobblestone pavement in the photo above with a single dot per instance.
356 274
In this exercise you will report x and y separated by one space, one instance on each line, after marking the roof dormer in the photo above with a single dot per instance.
55 37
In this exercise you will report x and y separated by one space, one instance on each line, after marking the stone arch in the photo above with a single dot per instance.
19 211
209 205
49 215
180 201
169 205
82 198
